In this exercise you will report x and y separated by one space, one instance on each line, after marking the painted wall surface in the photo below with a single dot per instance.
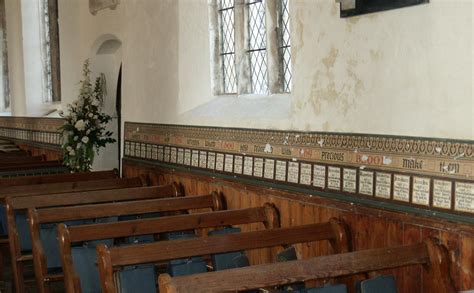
401 72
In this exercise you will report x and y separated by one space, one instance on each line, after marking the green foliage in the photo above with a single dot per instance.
84 131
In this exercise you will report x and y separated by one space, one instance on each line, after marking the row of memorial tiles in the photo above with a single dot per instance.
31 135
403 188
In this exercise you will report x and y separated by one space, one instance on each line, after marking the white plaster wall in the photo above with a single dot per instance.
401 72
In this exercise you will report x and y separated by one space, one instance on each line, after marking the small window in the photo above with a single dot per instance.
227 45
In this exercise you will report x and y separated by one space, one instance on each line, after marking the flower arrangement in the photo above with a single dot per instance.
84 131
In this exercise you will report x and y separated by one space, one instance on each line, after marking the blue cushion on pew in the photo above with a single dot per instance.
186 266
49 240
231 260
386 284
84 261
338 288
140 278
23 230
287 255
3 220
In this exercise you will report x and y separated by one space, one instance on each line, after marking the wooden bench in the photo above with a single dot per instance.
267 215
110 258
56 178
32 168
104 230
430 254
105 190
25 159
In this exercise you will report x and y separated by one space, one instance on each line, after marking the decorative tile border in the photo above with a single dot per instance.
435 175
32 130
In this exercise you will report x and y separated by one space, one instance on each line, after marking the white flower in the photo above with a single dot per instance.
72 153
90 115
79 145
69 148
85 139
88 131
95 116
80 125
95 102
76 138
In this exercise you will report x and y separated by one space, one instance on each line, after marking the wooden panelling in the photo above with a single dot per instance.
369 227
52 154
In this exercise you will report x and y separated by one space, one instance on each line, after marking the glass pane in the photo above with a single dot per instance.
227 45
257 46
259 71
285 46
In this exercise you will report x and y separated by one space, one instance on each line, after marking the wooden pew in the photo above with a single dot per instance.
32 168
13 166
57 178
430 254
93 191
105 230
109 258
25 159
73 186
267 215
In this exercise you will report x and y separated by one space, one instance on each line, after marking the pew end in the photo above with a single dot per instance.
104 263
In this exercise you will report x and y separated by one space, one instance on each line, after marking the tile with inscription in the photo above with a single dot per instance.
464 197
366 182
319 176
238 164
187 157
149 148
421 191
143 151
229 163
442 191
401 187
161 153
350 180
258 167
173 155
269 169
334 178
195 158
383 184
211 160
202 159
220 162
280 170
248 165
180 159
293 172
167 154
305 174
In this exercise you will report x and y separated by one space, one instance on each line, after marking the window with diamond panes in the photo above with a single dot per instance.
227 45
257 51
285 45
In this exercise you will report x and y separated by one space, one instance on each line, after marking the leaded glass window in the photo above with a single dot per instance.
257 49
285 45
227 45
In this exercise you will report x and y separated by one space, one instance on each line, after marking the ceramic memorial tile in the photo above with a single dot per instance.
401 187
167 154
366 182
211 160
319 176
350 180
220 162
464 197
202 159
187 157
383 184
248 165
442 191
269 169
195 158
143 151
258 167
161 153
334 178
180 159
293 172
280 170
229 163
238 164
305 174
173 156
149 152
421 191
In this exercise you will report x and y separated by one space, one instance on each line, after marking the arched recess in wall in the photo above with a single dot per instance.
106 57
